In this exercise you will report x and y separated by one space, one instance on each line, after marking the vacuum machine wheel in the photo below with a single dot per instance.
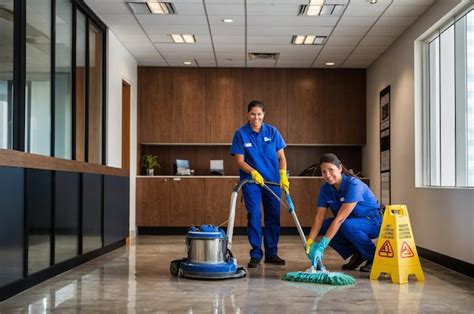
174 267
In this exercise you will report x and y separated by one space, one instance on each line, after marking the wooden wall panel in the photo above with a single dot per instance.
187 203
269 86
305 106
223 104
154 104
217 201
188 99
344 106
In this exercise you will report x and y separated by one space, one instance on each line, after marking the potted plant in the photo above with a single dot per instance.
150 162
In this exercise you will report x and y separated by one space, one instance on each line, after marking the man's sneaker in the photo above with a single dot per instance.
253 263
366 268
276 260
354 262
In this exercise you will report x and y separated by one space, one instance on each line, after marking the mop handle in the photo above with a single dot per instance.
291 210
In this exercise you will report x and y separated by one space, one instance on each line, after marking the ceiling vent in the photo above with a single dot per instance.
263 56
152 7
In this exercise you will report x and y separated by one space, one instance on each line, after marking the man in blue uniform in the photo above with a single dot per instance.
356 220
259 151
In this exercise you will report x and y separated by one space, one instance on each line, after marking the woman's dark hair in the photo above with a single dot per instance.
333 159
256 103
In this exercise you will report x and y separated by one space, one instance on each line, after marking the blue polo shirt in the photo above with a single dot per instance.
259 150
352 190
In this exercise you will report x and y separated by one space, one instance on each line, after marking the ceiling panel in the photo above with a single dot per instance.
236 40
350 31
406 10
283 30
227 8
264 20
377 41
229 48
343 40
151 19
355 39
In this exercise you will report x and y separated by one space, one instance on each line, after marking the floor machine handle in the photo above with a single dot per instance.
233 203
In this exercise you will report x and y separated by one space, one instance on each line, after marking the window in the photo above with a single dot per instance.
52 61
63 81
6 73
38 78
448 141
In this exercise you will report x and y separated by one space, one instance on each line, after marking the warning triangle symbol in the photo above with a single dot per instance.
386 250
406 251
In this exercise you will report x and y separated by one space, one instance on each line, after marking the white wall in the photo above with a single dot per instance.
121 66
442 219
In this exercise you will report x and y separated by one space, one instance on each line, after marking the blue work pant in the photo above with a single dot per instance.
354 235
254 195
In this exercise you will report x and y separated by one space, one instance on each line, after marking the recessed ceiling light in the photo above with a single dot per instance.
373 1
187 62
183 38
330 63
228 20
152 7
307 40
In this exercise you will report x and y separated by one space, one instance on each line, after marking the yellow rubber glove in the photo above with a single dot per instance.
284 183
308 245
257 177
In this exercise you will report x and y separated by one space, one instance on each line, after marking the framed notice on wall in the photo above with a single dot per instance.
385 174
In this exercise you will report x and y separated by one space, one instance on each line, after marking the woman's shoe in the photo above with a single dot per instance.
354 262
366 268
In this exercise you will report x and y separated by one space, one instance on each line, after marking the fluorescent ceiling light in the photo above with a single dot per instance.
298 39
309 40
316 8
189 39
177 38
152 7
183 38
319 40
327 10
313 10
139 7
228 20
330 63
158 8
187 62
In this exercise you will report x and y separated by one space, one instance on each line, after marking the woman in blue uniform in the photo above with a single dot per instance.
356 218
259 151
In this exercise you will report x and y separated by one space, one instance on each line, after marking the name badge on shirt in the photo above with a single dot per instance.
247 144
267 139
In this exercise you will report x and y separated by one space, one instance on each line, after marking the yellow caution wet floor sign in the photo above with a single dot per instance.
396 253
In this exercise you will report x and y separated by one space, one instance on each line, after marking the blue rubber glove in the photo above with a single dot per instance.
317 253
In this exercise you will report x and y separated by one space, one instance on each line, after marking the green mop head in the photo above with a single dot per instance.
319 276
324 277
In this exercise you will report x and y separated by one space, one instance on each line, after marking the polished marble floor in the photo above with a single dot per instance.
137 279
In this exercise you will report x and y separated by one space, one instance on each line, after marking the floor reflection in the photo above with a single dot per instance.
137 279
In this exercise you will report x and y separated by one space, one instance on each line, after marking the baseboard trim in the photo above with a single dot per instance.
447 261
34 279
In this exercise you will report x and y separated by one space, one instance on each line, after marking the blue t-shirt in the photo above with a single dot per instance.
259 150
352 190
